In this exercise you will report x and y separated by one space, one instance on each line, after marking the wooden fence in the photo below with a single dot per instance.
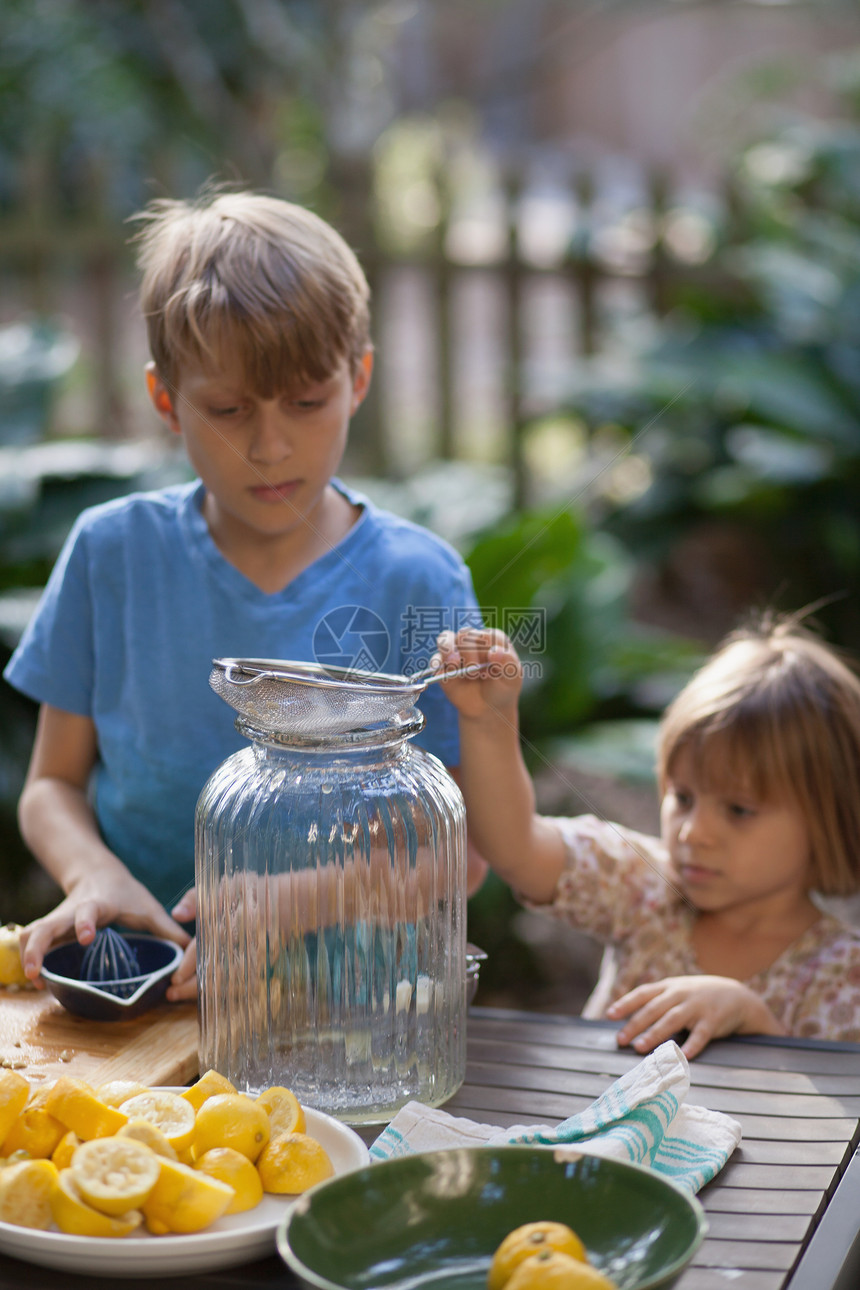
638 248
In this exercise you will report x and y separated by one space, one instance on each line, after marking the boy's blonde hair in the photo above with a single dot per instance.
777 709
253 279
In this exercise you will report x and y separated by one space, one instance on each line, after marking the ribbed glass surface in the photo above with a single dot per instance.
331 922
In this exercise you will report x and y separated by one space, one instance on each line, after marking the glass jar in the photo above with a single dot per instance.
331 926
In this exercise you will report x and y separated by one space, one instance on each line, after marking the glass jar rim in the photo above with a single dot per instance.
403 725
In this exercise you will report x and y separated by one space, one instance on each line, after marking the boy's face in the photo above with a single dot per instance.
266 463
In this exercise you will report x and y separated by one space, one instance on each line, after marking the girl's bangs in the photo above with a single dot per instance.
731 758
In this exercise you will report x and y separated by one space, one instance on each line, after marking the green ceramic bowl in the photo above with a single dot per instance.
436 1218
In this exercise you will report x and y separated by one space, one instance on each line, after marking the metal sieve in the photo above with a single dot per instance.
290 698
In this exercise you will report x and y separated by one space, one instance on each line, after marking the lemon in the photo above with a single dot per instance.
11 971
284 1110
527 1240
25 1193
236 1170
553 1270
184 1199
117 1091
75 1105
115 1174
293 1162
73 1215
231 1120
208 1085
35 1131
14 1092
150 1135
39 1095
15 1158
65 1149
169 1112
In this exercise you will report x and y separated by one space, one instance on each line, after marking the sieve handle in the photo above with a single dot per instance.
430 674
236 677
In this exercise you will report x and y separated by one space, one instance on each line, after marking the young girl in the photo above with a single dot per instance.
712 928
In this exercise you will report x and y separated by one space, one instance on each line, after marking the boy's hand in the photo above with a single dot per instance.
90 904
183 983
496 690
708 1007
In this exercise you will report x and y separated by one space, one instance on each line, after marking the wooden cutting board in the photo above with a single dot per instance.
41 1040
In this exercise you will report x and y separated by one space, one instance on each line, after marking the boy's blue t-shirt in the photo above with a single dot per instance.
141 600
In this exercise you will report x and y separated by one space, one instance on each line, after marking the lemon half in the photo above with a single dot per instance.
231 1120
284 1110
184 1200
293 1162
73 1215
25 1193
11 968
553 1270
168 1112
209 1083
524 1242
237 1171
14 1092
115 1174
75 1105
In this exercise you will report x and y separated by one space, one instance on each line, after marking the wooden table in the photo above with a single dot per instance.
776 1219
785 1211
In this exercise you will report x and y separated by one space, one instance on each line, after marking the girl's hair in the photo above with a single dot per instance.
253 279
778 710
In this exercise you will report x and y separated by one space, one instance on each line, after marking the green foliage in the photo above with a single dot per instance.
511 966
747 409
561 591
18 721
111 93
588 662
34 357
622 749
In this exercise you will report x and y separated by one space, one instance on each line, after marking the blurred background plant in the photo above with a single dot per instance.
750 388
615 254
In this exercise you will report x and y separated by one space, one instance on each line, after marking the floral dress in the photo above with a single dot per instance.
617 886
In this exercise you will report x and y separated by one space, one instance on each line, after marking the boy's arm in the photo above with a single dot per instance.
59 827
521 847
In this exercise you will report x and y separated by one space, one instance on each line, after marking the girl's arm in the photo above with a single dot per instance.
58 825
476 865
522 848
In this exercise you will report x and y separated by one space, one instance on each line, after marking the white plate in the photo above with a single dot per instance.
240 1238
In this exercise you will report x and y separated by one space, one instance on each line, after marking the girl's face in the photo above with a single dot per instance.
728 849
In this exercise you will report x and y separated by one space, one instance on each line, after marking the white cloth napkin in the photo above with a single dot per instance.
641 1118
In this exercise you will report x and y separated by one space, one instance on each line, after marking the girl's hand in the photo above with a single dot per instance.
708 1007
101 898
494 691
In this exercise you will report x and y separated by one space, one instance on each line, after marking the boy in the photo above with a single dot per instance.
258 326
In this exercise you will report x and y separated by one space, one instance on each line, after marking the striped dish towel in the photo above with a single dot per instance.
642 1118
